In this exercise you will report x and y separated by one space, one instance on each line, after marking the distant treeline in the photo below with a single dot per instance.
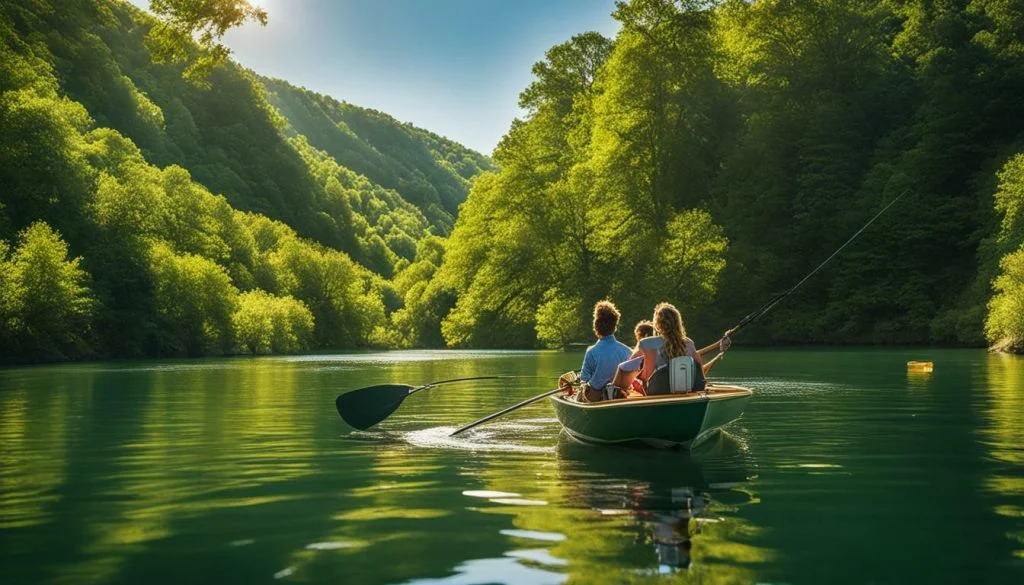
711 154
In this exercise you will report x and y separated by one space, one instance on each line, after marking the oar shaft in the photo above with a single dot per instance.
432 384
506 411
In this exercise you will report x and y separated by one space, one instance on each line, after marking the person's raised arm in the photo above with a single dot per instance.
722 344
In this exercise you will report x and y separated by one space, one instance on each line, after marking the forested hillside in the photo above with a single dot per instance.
710 155
143 214
713 153
427 170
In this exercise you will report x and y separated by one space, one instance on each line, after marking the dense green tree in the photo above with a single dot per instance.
264 323
557 319
45 302
335 289
581 208
425 299
194 301
1004 325
11 297
1009 204
42 173
1005 322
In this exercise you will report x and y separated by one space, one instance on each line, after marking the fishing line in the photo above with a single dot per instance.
778 298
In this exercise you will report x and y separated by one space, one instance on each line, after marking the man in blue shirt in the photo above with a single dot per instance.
604 357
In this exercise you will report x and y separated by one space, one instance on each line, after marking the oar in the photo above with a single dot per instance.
366 407
506 411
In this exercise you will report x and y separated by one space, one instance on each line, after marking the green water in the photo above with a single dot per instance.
844 469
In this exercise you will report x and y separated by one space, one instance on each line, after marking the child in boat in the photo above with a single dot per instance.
642 330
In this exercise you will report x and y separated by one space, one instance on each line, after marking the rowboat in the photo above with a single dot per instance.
669 420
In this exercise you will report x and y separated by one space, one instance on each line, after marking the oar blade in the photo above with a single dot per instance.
366 407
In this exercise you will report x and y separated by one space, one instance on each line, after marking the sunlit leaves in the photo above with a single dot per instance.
264 323
1010 203
426 299
690 259
201 21
194 300
558 318
41 169
567 71
586 199
336 290
12 293
1004 325
45 302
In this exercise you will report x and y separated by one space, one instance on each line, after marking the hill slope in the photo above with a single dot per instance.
143 215
427 170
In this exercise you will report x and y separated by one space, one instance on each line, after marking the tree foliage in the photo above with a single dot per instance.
586 205
45 303
710 154
199 216
1004 324
264 323
777 126
201 21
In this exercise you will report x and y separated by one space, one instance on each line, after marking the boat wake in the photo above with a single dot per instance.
502 437
785 387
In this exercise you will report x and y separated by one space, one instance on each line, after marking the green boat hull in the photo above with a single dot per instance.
675 420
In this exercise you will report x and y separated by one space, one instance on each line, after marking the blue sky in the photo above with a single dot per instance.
454 67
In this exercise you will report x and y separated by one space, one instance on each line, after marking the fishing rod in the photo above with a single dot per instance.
743 323
778 298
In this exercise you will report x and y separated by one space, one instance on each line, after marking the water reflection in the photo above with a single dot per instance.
670 531
228 471
674 504
1003 435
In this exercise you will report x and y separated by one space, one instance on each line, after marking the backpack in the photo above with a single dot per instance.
680 375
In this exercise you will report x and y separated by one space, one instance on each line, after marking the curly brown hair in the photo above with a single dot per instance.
606 318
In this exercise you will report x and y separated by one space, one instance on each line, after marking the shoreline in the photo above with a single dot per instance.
371 351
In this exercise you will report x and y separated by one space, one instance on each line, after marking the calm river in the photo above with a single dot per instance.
844 469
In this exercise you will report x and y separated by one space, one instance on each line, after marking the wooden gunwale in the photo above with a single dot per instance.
715 392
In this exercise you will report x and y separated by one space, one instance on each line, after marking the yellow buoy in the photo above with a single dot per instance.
920 366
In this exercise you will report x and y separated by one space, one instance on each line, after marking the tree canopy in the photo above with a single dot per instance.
709 155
